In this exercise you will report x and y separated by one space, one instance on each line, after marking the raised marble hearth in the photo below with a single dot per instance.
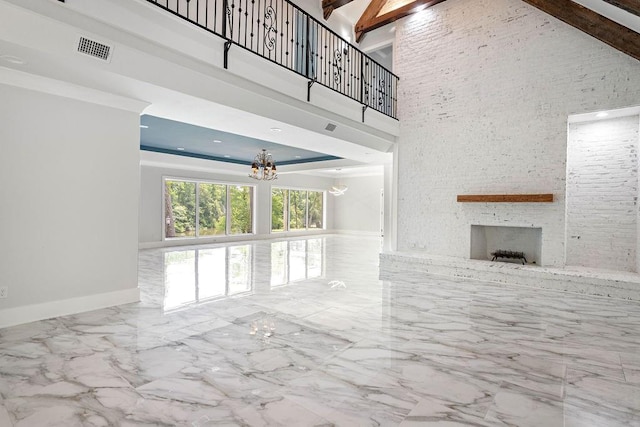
582 280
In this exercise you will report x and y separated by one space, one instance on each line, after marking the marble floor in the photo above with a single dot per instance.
302 332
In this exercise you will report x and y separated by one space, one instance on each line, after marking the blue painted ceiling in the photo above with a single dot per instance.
182 139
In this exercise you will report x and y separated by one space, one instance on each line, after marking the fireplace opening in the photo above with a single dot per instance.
521 245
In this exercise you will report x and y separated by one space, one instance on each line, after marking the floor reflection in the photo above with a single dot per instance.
197 275
194 276
296 260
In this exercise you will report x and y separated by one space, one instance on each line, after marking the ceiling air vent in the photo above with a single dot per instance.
94 49
330 127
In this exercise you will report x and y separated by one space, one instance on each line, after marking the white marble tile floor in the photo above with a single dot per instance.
302 332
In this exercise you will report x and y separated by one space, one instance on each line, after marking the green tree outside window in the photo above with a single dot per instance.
241 208
180 208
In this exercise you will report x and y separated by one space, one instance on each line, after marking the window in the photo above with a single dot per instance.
180 208
315 207
296 209
201 209
241 208
278 209
213 209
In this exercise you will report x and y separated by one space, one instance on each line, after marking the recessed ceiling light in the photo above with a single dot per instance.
144 127
217 141
226 156
297 157
275 130
180 148
13 59
602 114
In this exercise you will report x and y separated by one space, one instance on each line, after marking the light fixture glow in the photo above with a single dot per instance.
217 141
180 148
226 156
263 167
275 130
144 127
602 114
338 189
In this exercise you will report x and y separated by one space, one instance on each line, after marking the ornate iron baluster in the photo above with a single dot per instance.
270 30
337 67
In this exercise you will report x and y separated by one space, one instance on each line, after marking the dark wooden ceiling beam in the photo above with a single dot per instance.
370 20
375 6
631 6
590 22
328 6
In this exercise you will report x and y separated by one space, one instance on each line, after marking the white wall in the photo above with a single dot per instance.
485 92
178 69
336 22
151 199
68 203
602 193
359 208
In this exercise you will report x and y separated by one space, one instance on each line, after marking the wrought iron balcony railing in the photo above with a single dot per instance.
281 32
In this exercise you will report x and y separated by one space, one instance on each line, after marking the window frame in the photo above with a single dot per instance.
287 218
197 183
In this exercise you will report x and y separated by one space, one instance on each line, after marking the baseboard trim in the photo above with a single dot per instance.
234 239
358 233
34 312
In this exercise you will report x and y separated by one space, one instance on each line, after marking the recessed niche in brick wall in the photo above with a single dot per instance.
602 193
487 239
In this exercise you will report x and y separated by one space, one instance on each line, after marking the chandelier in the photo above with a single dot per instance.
338 190
263 167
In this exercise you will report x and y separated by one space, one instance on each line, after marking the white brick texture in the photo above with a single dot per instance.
602 193
486 89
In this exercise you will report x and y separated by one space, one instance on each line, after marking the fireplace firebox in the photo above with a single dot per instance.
503 243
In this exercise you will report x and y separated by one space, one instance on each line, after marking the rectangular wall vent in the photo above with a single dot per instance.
330 127
94 48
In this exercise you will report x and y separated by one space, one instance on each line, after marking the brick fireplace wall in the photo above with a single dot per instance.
486 89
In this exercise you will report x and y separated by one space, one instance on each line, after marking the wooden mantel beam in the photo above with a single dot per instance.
328 6
370 20
631 6
505 198
590 22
